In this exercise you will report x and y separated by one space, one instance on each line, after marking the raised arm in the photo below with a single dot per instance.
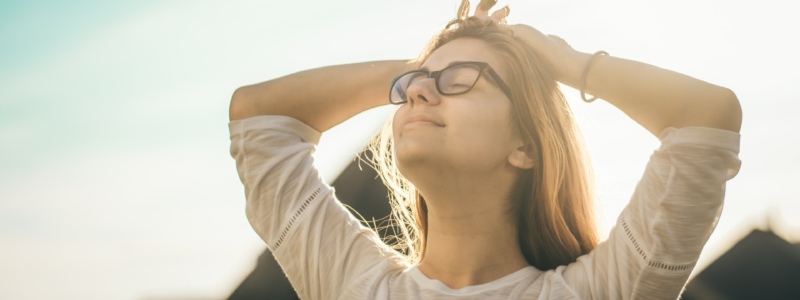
321 97
274 127
660 234
655 98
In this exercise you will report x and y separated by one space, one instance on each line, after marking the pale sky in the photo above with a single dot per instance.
115 176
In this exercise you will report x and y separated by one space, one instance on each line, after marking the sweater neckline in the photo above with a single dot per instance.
437 285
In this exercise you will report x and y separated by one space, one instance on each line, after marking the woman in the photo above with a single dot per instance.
492 189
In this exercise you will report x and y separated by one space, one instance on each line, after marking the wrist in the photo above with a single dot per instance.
570 67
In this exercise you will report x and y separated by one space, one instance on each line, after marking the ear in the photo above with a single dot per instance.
522 157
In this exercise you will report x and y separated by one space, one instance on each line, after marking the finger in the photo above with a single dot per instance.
501 14
481 14
486 5
482 11
463 10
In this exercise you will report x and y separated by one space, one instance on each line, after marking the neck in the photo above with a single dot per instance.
471 235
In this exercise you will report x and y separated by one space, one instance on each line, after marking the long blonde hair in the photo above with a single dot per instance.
553 201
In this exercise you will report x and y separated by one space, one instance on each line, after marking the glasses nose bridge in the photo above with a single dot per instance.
428 75
431 98
435 74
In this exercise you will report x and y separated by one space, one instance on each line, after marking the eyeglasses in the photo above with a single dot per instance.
456 79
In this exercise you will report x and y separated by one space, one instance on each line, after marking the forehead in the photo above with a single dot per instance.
463 49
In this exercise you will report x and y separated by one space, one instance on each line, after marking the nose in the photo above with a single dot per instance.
423 91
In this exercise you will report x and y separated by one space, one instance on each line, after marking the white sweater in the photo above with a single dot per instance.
328 254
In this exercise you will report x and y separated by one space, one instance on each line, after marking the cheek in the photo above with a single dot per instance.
485 134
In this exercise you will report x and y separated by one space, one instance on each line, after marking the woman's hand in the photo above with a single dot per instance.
482 11
557 55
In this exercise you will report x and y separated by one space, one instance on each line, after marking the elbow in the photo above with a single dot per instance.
715 108
729 111
241 103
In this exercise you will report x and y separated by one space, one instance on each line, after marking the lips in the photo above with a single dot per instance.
419 118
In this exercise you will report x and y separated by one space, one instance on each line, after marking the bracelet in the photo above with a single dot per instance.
586 73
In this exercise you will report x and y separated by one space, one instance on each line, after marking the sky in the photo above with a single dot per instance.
115 176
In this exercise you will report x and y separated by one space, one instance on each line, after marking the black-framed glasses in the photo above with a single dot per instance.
456 79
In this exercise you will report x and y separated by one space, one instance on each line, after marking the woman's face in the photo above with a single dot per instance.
470 132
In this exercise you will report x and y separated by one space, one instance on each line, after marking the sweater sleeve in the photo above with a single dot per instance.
658 237
320 245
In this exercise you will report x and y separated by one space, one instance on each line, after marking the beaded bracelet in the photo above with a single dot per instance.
586 73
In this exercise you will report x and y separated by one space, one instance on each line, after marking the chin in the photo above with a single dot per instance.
410 155
410 158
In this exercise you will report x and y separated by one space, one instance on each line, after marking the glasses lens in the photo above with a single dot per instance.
458 79
398 94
